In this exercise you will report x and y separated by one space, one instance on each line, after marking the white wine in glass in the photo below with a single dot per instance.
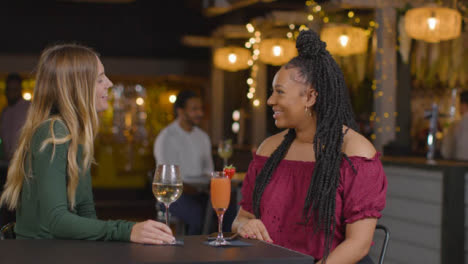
167 185
167 193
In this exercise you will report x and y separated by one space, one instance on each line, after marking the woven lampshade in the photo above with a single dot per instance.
344 40
277 51
231 58
433 23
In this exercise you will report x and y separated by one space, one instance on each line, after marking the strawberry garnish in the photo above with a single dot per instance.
229 171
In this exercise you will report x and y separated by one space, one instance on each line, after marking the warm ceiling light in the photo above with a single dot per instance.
433 23
277 51
231 58
344 40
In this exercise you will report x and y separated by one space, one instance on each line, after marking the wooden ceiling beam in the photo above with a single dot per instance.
376 3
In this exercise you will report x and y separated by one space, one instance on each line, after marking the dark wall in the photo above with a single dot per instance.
144 28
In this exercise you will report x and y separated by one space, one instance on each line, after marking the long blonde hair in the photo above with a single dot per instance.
65 83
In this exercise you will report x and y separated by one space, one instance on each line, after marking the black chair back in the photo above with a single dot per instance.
8 232
385 242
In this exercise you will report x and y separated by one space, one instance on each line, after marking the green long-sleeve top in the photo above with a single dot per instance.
44 211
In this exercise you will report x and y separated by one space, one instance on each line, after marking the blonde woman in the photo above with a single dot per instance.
49 182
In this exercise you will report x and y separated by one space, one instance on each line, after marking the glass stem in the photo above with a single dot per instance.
167 214
220 227
225 162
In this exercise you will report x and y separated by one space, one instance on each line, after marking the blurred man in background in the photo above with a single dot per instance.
11 121
183 143
13 116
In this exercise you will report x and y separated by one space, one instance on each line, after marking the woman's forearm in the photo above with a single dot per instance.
356 244
349 251
241 218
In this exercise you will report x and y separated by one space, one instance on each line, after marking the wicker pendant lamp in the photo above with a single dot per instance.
433 23
231 58
344 40
277 51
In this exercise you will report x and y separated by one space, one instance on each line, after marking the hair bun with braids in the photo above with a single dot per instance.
309 45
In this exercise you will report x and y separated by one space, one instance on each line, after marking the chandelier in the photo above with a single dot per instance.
344 40
277 51
231 58
433 23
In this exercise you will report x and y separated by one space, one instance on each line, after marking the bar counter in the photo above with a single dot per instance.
425 211
193 251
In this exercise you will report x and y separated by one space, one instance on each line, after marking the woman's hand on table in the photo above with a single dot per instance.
254 229
151 232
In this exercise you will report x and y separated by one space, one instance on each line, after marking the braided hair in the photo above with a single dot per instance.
333 110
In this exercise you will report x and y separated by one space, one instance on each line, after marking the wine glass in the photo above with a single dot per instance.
225 150
167 185
220 196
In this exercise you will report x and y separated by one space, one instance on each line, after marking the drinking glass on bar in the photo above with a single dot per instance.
225 150
220 195
167 185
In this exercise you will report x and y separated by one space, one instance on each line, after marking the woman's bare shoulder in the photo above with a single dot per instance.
355 144
271 143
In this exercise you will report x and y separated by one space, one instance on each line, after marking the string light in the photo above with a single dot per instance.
236 115
27 96
250 28
172 98
256 102
140 101
253 43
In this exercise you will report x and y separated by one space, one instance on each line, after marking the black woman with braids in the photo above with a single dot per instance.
317 187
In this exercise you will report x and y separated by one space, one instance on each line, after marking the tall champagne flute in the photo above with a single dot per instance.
220 196
167 185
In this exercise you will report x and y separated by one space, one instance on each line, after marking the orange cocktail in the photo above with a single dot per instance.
220 193
220 196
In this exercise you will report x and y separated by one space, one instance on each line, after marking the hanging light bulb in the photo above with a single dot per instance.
232 58
277 50
343 40
431 23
